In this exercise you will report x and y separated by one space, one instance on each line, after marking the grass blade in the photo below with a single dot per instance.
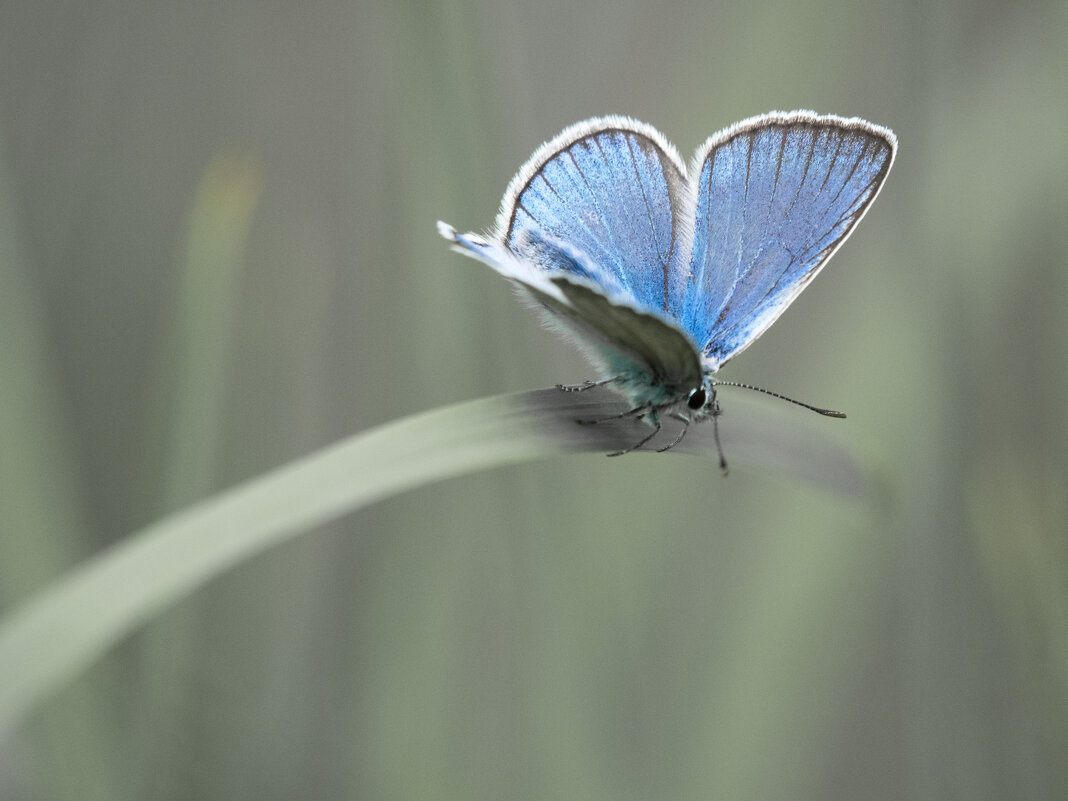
53 636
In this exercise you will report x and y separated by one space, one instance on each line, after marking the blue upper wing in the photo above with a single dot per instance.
775 197
610 188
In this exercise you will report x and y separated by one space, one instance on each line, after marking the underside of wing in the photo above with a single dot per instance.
630 341
775 197
625 339
611 188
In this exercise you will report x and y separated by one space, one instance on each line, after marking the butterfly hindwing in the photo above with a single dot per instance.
775 197
618 335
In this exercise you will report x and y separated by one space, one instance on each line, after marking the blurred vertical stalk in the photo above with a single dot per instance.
42 515
192 383
195 370
1019 515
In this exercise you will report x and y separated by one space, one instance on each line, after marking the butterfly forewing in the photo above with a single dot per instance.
611 189
775 197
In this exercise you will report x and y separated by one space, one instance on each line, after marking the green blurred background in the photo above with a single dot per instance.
217 253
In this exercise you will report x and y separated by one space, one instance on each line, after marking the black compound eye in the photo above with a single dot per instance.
697 398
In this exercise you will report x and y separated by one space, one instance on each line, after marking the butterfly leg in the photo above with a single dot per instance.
587 384
645 410
656 430
638 412
685 427
715 435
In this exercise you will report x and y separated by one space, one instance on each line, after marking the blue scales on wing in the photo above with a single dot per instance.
775 199
598 210
669 274
612 193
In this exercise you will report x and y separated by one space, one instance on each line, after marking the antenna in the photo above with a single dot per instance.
816 409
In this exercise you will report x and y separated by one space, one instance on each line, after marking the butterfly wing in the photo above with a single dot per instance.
776 196
641 346
611 188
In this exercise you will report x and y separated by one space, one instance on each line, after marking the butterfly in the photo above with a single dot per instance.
662 274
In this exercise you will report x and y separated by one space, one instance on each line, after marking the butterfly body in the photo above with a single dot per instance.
662 274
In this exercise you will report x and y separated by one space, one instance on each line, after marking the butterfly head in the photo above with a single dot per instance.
702 400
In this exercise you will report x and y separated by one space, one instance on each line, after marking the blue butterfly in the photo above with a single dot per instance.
663 275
